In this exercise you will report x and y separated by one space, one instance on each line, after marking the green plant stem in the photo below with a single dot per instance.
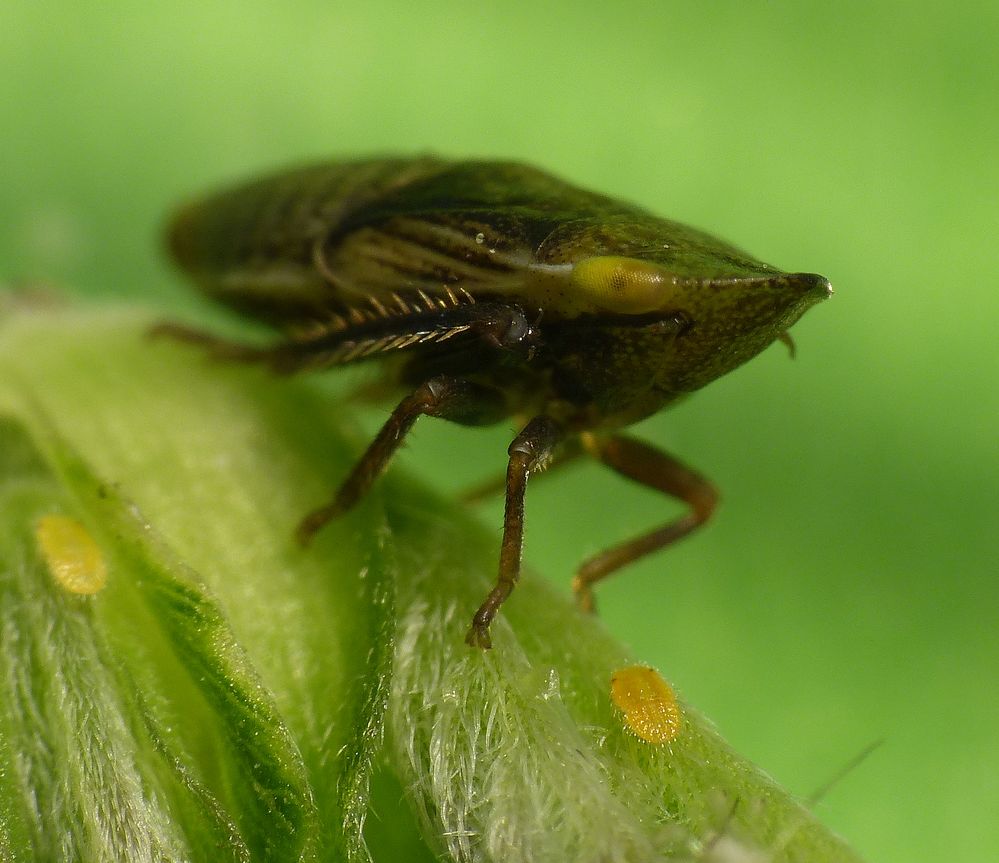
271 687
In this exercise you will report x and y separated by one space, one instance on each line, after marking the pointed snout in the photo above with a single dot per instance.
788 296
811 285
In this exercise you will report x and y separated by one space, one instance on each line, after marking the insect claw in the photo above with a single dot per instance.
584 596
310 525
478 636
785 339
304 534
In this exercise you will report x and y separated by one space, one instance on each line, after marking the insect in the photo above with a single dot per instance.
647 703
491 290
74 559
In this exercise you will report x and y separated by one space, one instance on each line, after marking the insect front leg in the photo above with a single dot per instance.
653 468
530 451
443 396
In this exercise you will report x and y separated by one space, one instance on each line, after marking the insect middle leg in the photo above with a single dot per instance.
443 396
568 452
653 468
218 348
530 451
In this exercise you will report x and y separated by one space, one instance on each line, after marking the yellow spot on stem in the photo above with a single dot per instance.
647 702
74 559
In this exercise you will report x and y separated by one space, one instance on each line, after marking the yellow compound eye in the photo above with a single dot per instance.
622 285
647 704
74 559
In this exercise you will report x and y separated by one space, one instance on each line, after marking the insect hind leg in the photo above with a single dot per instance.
656 470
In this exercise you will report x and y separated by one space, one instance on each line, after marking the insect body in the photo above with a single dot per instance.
491 290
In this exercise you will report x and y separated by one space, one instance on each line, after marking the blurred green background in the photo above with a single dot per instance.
848 590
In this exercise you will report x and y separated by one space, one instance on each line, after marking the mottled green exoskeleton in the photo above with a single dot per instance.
491 290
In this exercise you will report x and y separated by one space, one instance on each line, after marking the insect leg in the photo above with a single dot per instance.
529 452
569 452
653 468
442 396
218 348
